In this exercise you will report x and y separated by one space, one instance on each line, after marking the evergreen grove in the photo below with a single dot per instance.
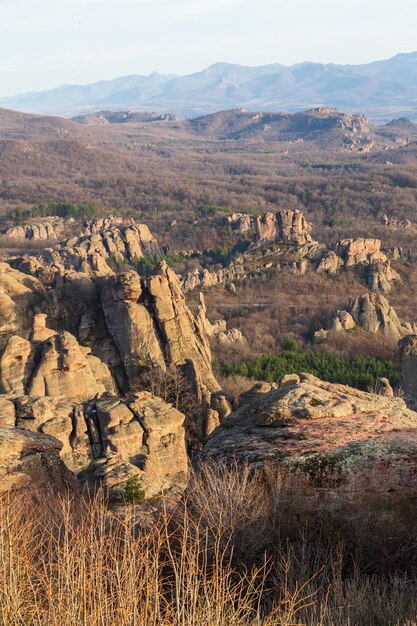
360 372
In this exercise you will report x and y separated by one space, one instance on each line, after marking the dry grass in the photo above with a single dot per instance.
242 549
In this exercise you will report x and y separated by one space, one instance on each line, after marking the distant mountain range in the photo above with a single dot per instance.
383 90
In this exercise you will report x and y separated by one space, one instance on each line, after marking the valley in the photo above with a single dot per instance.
208 363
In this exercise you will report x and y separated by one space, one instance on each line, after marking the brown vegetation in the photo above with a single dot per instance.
242 549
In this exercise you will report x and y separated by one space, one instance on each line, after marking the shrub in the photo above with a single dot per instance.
243 547
146 265
289 344
134 494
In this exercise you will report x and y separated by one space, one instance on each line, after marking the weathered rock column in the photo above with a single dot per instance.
408 359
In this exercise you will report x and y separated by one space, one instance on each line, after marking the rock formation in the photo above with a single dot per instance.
70 395
287 226
408 358
152 326
373 313
312 425
364 256
40 230
218 330
398 224
53 385
142 436
121 240
32 460
283 226
361 254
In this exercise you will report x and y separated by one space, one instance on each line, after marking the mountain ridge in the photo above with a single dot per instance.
382 90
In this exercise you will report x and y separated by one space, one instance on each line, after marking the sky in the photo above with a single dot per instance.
46 43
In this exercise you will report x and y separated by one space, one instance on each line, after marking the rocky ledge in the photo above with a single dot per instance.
311 425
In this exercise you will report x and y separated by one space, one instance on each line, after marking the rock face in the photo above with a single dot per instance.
373 313
32 460
151 325
284 226
408 357
358 251
391 222
16 365
185 342
218 330
51 384
41 230
131 325
122 240
18 293
287 226
314 424
283 243
142 436
108 439
361 254
65 371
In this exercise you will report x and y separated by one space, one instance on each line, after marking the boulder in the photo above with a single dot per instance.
312 423
142 436
31 460
64 371
39 330
17 363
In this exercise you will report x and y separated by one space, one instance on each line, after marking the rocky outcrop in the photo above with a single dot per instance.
373 313
182 335
359 251
144 437
37 230
66 370
17 363
131 325
70 395
108 440
51 384
218 330
31 460
361 254
313 425
104 239
141 323
397 224
408 358
364 256
18 293
283 226
152 326
287 226
52 364
186 344
241 222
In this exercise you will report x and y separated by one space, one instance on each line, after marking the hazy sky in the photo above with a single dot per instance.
45 43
